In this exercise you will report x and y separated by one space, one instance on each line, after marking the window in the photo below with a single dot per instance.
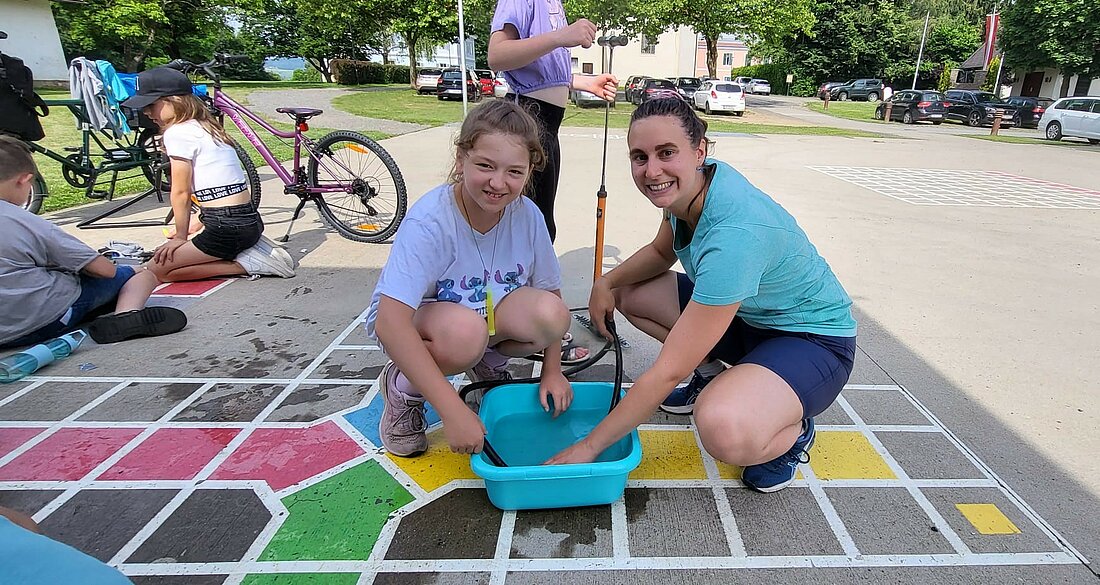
1096 107
573 61
727 59
587 68
649 47
965 76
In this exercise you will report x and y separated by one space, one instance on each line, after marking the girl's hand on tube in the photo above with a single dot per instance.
601 306
555 385
465 432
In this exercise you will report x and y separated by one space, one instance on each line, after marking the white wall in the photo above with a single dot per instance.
1052 84
673 56
32 36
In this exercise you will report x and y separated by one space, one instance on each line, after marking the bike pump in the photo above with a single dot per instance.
601 195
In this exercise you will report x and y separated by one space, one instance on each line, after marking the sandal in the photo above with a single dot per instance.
569 352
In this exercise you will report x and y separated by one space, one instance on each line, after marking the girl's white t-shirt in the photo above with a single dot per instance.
435 256
217 170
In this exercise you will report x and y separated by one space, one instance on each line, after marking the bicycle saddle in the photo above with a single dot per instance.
300 113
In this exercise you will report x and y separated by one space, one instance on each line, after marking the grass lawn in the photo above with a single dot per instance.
1072 142
61 132
406 106
860 111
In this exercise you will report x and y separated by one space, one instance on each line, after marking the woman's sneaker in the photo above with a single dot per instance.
403 428
682 399
779 472
264 260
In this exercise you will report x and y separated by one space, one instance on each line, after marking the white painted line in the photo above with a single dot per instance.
840 531
734 541
620 536
357 348
21 392
503 549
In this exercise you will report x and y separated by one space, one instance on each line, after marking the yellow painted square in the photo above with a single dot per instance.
987 519
669 455
847 455
437 467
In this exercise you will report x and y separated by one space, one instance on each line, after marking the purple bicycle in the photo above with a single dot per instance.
354 182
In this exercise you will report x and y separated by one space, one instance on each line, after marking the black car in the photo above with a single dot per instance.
858 89
976 108
911 106
687 86
652 89
1030 108
450 85
633 84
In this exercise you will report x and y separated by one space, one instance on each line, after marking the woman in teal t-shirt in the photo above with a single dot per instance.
756 296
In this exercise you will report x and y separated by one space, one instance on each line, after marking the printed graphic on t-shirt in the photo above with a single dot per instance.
510 279
477 284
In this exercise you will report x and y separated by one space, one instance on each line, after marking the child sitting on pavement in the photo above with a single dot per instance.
50 281
29 558
472 279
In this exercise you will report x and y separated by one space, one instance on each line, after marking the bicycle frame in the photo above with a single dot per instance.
237 113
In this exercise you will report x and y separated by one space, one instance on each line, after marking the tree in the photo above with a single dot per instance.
124 32
1053 33
425 22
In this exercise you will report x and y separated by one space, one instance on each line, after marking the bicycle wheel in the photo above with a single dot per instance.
372 202
158 168
38 193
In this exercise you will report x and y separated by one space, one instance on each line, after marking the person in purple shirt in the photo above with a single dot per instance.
530 43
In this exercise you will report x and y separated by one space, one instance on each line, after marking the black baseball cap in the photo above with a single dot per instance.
156 83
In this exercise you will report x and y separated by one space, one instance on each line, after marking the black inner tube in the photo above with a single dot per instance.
616 390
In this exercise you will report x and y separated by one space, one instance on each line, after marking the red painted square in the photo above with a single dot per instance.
193 288
284 457
12 438
171 454
67 455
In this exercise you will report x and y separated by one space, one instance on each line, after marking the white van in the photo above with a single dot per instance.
1072 116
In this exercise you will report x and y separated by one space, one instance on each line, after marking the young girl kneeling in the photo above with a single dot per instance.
205 170
471 280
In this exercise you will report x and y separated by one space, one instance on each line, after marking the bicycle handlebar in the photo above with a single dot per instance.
219 60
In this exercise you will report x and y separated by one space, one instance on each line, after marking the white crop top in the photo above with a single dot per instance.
217 170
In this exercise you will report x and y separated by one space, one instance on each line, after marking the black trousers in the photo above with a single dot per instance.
543 188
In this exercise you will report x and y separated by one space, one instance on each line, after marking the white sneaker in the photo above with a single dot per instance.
256 261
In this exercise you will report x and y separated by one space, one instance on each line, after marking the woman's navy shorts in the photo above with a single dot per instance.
815 366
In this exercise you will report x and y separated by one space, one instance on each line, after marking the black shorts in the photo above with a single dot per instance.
228 231
815 366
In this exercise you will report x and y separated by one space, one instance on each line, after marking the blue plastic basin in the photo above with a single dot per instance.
525 436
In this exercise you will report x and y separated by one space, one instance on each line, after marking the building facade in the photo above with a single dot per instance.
32 36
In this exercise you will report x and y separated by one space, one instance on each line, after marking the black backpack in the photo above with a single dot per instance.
19 104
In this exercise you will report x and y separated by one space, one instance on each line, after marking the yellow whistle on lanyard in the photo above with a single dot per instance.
489 316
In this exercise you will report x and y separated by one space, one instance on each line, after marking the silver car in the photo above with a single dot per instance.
1072 116
427 80
759 86
584 99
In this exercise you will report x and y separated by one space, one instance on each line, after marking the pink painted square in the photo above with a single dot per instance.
193 288
171 454
284 457
11 438
67 455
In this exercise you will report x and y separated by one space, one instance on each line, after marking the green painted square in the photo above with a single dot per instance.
339 518
302 579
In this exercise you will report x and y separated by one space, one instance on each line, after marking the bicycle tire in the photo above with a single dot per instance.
158 164
39 190
369 188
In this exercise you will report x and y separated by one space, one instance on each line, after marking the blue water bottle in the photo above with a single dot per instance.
16 366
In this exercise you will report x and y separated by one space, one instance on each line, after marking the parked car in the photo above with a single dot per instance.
450 85
911 106
1073 116
1030 108
584 99
501 87
742 81
825 89
687 86
652 89
859 89
760 86
427 80
485 81
976 108
633 84
720 96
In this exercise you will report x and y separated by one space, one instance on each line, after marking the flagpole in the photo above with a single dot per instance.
920 53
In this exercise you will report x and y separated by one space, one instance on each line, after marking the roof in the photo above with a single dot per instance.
976 60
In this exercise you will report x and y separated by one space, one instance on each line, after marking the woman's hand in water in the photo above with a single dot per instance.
580 452
465 432
555 385
601 306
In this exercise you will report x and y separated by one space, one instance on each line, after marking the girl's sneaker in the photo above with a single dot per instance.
260 260
402 428
779 472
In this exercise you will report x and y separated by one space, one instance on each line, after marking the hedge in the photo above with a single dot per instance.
352 72
775 73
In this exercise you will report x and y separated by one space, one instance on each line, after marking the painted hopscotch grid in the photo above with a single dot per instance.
965 187
716 480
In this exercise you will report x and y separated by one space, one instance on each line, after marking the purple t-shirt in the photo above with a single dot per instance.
531 18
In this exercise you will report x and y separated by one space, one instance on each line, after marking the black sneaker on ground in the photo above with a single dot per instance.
147 322
682 399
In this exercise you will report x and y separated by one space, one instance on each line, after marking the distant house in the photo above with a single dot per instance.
32 36
972 73
1048 83
675 53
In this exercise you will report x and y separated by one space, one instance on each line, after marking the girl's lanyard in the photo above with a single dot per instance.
490 315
